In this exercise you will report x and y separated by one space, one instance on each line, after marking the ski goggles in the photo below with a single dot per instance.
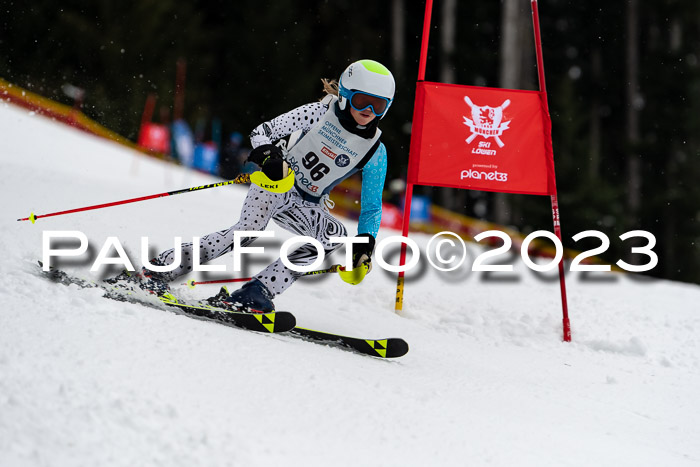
361 101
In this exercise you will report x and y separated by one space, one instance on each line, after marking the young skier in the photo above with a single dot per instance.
328 141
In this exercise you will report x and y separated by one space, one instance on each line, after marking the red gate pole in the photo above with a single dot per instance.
409 183
552 180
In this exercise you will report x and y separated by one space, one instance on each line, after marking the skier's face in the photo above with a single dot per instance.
362 117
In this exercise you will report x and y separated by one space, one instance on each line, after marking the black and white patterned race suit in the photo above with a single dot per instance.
290 212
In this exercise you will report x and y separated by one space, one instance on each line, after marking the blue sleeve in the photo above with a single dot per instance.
373 175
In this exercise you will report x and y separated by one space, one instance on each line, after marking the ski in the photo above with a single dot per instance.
273 322
384 348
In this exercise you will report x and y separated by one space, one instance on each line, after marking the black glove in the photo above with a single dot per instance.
362 252
263 153
270 160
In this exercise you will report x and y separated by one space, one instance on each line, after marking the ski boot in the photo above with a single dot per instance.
252 297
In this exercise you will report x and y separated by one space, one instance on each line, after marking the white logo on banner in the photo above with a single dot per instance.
486 121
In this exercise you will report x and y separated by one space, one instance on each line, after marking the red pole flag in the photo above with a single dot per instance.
481 139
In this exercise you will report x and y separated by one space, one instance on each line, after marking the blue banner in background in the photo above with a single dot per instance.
206 158
183 143
420 209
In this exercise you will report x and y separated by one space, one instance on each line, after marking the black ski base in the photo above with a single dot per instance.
384 348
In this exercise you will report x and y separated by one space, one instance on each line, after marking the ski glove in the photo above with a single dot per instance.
362 252
263 153
361 261
270 160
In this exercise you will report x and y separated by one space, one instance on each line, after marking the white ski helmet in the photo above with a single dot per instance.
367 84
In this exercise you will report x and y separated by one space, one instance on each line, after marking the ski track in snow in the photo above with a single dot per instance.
93 382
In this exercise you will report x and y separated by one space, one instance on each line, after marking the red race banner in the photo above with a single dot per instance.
481 139
155 137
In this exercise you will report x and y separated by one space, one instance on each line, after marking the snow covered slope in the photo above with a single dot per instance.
488 381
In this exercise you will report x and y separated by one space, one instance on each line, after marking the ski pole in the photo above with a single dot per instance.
239 180
192 283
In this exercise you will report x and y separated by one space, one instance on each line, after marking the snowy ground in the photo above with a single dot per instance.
488 381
